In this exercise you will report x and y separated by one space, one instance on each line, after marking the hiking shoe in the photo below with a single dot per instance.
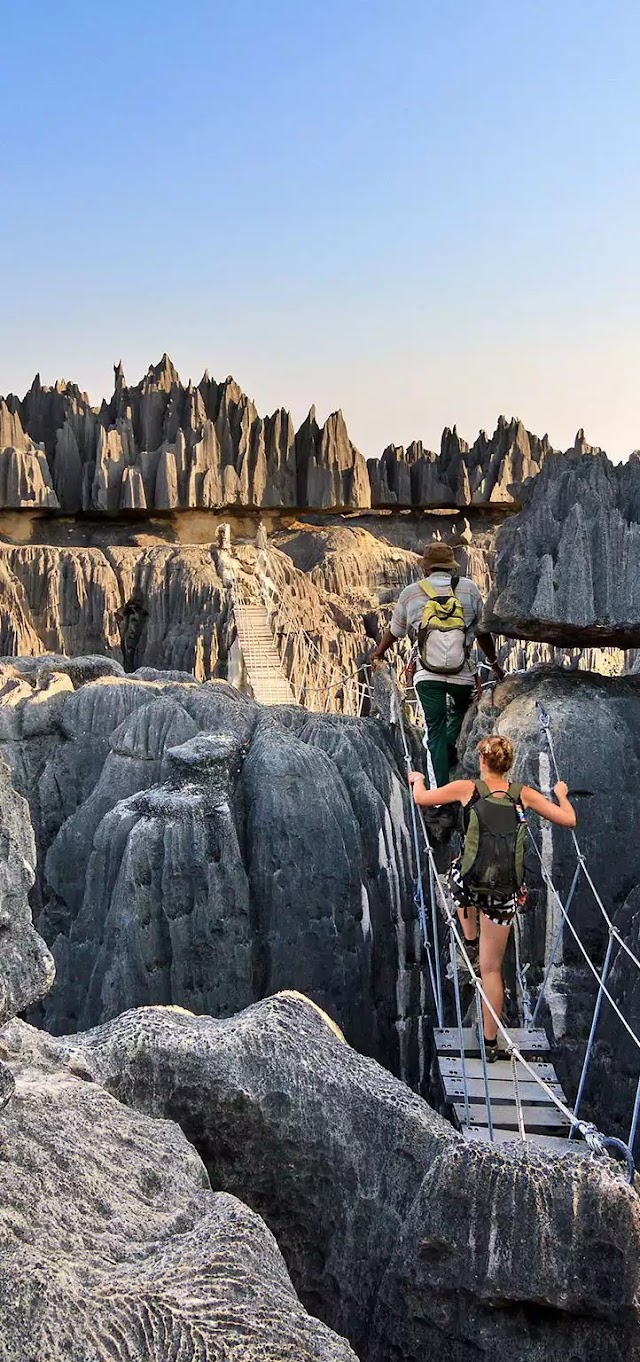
491 1047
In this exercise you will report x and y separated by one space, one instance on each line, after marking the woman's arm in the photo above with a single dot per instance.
458 792
562 813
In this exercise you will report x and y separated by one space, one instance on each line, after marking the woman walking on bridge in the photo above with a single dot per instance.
487 884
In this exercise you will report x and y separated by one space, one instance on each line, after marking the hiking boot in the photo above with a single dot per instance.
491 1047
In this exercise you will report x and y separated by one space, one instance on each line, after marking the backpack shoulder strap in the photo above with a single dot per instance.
515 793
428 589
482 791
433 593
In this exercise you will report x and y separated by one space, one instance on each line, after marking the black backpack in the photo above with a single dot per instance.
493 852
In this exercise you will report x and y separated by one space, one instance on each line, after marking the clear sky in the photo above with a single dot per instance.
426 212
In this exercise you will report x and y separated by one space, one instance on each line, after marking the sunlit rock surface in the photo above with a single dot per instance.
567 568
395 1231
114 1244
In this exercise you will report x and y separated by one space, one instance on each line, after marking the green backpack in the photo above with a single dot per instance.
493 852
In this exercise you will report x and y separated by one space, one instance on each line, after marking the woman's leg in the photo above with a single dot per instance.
493 944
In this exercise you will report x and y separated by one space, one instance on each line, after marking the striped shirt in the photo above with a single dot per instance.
407 617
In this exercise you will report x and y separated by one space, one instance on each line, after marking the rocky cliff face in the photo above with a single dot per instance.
396 1232
26 967
567 568
197 850
114 1244
336 582
162 446
66 600
491 470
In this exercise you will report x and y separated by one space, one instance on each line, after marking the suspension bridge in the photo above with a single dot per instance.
521 1098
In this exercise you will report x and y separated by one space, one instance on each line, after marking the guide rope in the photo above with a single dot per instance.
597 1142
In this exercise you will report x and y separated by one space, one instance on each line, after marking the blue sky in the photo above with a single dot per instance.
426 212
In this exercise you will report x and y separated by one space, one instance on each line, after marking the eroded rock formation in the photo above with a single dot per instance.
567 567
395 1231
196 849
69 600
114 1245
162 446
26 967
491 470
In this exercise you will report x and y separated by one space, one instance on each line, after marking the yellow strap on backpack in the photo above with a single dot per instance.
428 589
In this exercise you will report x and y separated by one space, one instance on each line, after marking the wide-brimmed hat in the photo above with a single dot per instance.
437 555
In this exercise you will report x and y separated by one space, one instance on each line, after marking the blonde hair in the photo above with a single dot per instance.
498 754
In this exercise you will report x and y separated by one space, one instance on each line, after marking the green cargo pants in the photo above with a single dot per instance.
443 722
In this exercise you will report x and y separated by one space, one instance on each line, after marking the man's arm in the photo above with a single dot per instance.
397 629
386 642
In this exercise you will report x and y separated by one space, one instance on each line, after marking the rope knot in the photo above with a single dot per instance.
592 1136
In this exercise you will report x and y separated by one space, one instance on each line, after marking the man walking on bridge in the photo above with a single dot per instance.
443 612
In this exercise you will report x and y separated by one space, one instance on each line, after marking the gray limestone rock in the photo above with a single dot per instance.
161 446
491 471
114 1245
25 480
568 567
395 1231
331 471
26 967
194 849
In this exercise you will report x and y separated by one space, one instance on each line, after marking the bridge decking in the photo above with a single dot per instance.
543 1124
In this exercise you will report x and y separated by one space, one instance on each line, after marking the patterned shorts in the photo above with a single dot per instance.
498 910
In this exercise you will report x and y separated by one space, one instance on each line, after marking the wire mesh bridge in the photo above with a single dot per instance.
519 1096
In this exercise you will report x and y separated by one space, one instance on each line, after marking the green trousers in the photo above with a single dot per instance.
443 722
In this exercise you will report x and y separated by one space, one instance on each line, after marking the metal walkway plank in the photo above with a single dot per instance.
536 1118
451 1067
528 1042
556 1143
500 1090
539 1113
